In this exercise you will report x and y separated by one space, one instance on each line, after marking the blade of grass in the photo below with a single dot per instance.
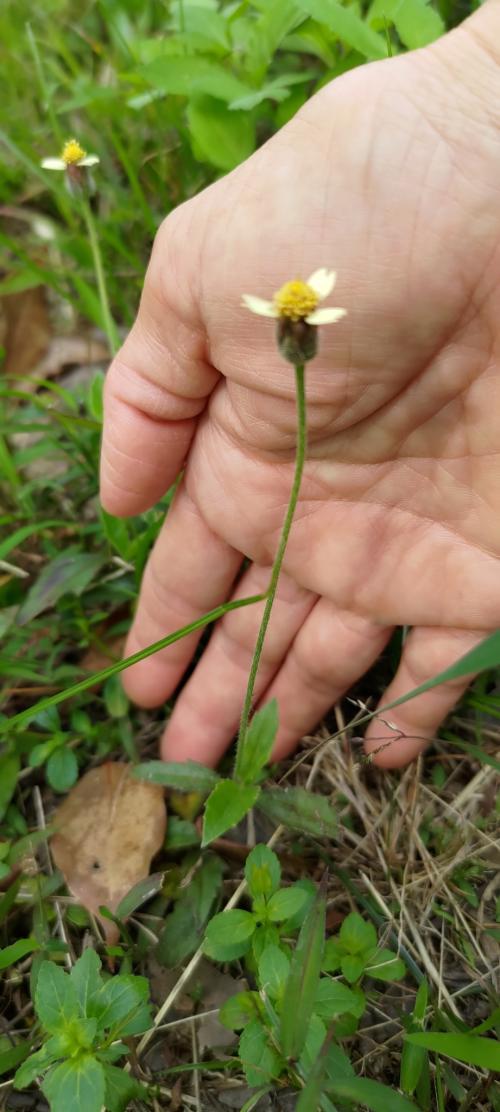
113 669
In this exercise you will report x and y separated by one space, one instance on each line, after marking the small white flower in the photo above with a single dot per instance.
72 155
298 300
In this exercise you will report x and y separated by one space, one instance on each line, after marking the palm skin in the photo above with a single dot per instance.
391 176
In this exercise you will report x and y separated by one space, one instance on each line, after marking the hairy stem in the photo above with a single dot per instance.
109 324
275 574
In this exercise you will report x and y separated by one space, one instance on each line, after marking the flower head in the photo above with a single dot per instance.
72 157
298 300
295 307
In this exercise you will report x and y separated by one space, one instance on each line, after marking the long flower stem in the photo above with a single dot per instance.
275 574
109 324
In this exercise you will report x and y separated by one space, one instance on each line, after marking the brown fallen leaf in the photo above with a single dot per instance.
27 330
108 829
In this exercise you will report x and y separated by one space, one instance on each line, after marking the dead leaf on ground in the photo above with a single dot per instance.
26 326
108 830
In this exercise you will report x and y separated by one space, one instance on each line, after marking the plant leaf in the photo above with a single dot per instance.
228 803
121 1088
107 831
274 967
302 983
348 25
229 934
122 1004
191 75
285 903
256 748
185 926
56 1001
139 895
371 1094
62 769
69 573
9 771
186 776
77 1084
236 1012
219 136
16 951
471 1049
262 872
357 935
260 1062
300 810
85 976
386 966
333 998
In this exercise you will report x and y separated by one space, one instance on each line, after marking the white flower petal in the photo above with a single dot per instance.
325 316
53 164
89 160
259 306
322 282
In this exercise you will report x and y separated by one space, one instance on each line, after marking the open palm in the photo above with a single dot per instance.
391 176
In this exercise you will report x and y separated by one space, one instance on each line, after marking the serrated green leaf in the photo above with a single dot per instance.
332 957
352 966
77 1085
56 1001
35 1065
255 751
219 136
300 810
181 834
357 935
185 776
121 1088
259 1060
274 967
303 979
285 903
228 935
471 1049
236 1012
262 872
386 966
86 978
122 1005
228 803
333 998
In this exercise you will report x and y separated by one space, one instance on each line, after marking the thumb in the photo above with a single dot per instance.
159 381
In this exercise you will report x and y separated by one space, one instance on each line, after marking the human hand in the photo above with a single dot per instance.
391 176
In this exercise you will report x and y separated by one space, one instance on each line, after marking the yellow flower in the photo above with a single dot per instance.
72 155
298 300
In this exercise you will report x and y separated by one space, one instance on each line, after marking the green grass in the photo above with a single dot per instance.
416 851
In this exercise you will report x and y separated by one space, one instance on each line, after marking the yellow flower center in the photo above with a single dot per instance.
72 152
295 300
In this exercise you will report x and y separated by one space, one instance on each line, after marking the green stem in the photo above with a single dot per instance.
109 324
275 574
